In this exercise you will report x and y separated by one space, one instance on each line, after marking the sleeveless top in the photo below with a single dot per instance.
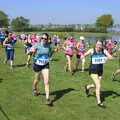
41 55
81 49
11 42
97 61
69 47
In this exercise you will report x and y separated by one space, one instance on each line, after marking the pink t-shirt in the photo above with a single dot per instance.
110 46
81 49
34 39
69 47
14 36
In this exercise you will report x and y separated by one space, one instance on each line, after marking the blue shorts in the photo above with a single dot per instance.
9 54
38 68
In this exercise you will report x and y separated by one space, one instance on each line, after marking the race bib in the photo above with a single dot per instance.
81 48
10 47
42 60
98 59
69 46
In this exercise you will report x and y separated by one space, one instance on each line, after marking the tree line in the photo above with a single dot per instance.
20 24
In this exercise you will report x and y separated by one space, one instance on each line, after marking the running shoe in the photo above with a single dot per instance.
48 102
35 93
27 65
113 76
101 105
5 61
73 71
86 90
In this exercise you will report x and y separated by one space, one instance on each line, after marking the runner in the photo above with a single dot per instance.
22 37
68 46
14 36
80 46
42 51
118 70
34 39
98 58
2 37
28 45
55 42
9 49
58 43
115 73
109 46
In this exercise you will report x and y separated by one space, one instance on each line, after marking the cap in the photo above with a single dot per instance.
82 38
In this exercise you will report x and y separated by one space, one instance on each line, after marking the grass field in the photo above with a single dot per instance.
67 92
62 34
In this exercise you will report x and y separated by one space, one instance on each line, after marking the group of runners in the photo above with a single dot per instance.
41 49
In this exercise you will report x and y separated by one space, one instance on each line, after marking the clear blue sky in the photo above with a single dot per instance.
61 11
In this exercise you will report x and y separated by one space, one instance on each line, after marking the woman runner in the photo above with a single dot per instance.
98 58
80 46
9 49
42 53
68 46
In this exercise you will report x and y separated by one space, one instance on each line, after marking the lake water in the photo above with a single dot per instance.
92 39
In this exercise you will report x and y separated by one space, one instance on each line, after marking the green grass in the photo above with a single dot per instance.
67 92
62 34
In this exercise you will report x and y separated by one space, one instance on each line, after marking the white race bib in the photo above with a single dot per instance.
10 47
42 60
98 59
69 47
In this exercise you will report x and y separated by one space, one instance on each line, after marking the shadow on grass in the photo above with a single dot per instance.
79 70
116 80
1 80
20 65
23 65
55 59
59 93
3 112
105 94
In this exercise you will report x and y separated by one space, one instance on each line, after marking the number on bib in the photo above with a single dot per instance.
42 60
98 59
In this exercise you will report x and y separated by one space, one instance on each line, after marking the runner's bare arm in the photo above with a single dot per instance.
108 56
64 44
32 50
90 51
4 42
77 45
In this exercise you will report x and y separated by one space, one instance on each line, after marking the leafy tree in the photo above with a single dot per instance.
4 21
105 21
20 24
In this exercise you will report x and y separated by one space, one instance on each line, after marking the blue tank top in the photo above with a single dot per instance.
41 55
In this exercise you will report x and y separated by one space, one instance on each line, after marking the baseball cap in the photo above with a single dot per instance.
82 38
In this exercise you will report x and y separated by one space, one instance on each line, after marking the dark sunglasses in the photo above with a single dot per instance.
44 38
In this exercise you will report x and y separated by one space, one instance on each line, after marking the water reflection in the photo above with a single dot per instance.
92 39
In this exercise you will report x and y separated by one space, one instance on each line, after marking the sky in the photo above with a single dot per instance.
61 11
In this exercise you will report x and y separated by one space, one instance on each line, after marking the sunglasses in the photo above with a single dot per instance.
44 38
